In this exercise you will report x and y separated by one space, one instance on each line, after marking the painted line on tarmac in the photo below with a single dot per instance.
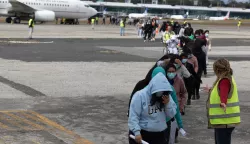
27 42
25 120
78 139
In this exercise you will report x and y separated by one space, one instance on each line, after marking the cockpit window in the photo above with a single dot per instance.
86 5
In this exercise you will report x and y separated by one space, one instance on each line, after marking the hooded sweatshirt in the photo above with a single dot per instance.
142 116
173 95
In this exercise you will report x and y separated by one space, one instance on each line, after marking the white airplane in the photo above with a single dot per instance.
220 18
179 17
139 15
44 10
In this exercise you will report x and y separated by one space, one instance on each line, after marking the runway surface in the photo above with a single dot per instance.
107 50
76 90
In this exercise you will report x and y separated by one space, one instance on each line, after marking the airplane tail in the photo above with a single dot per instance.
146 11
228 14
105 11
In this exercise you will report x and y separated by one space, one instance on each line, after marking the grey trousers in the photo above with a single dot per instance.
30 32
172 132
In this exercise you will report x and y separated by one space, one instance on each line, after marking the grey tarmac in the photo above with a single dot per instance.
76 90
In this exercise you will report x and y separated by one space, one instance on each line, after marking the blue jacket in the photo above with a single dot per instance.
142 116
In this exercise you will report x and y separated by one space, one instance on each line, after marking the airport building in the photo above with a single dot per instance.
169 9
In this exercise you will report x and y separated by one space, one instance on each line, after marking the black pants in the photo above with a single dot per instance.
223 135
147 33
151 137
189 83
198 84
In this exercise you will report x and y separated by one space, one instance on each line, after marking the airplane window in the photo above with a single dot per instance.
86 5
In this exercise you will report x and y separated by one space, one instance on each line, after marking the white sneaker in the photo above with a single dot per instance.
144 40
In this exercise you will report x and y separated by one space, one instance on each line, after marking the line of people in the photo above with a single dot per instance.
158 102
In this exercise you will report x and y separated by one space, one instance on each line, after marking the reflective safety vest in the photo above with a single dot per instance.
217 116
239 23
121 23
168 35
31 23
92 21
172 22
184 22
97 18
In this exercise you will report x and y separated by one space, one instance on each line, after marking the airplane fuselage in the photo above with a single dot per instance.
137 15
72 9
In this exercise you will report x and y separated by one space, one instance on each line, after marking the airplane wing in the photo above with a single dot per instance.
21 7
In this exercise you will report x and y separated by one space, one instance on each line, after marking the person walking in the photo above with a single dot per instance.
122 27
151 105
181 92
223 103
31 27
177 120
96 20
208 45
201 58
239 24
103 20
148 30
93 23
189 81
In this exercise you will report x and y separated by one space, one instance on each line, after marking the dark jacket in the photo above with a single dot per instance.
190 68
188 31
200 55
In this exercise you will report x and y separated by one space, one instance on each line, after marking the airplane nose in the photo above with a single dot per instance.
93 12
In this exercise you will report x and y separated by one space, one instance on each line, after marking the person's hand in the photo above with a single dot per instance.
165 99
207 89
178 62
223 106
138 139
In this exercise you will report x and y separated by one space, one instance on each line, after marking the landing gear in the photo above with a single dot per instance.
70 21
17 20
8 20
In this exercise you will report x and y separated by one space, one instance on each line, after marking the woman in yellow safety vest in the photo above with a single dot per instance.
223 103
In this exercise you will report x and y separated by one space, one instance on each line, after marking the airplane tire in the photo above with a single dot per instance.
8 20
17 20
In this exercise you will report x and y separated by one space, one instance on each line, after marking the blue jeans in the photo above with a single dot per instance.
122 31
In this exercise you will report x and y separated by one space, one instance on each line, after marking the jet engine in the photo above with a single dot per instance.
44 15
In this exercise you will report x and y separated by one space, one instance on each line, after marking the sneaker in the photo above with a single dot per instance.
144 40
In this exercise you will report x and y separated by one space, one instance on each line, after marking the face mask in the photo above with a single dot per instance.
177 66
171 75
184 61
206 34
